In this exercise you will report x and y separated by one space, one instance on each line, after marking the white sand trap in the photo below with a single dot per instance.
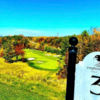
47 54
56 55
40 61
30 58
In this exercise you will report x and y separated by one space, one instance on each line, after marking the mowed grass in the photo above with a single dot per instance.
49 62
23 80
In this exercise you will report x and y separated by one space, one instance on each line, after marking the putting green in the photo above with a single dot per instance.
41 60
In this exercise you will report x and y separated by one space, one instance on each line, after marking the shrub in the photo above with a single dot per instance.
45 48
52 49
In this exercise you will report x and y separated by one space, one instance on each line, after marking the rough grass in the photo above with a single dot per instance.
22 79
13 93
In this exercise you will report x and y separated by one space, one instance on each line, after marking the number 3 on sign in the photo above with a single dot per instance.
95 83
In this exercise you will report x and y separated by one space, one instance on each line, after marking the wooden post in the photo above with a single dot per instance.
71 69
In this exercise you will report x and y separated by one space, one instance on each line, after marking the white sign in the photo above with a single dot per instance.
87 78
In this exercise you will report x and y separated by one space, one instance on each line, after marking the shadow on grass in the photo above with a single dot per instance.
23 60
40 68
31 64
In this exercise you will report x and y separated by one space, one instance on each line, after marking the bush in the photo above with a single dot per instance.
47 48
57 51
52 50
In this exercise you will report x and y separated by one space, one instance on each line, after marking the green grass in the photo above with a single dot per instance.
49 62
13 93
15 87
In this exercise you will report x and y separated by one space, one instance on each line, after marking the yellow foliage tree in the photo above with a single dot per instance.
37 46
96 31
1 52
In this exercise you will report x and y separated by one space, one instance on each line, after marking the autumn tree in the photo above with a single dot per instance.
96 31
18 50
1 52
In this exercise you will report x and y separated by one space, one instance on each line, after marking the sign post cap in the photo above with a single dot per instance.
73 41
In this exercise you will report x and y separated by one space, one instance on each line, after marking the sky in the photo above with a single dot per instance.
48 17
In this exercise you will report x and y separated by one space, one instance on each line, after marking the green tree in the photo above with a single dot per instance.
85 33
9 52
64 45
26 42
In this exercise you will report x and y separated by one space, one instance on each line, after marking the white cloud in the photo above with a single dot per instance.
30 32
42 32
25 32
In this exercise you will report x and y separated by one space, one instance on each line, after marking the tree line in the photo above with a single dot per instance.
12 46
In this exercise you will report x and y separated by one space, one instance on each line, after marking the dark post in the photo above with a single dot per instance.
71 69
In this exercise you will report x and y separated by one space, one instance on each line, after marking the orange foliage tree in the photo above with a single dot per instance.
18 50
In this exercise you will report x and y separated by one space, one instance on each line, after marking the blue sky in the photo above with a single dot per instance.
48 17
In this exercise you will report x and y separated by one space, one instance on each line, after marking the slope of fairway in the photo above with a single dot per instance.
48 62
21 70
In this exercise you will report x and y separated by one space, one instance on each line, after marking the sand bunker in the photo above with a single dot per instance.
30 58
40 61
56 55
47 54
